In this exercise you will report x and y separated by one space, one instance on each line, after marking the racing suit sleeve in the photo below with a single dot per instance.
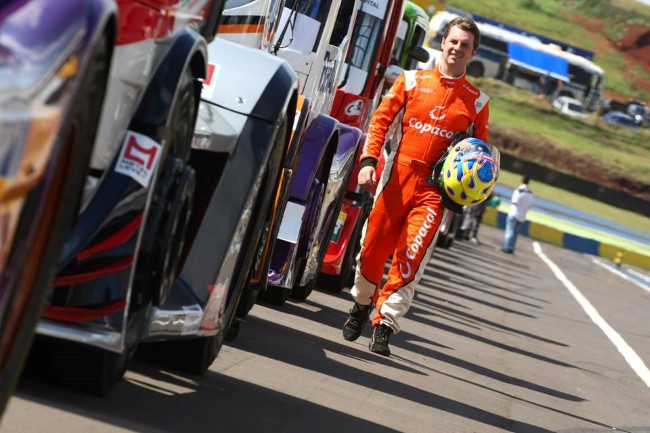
386 114
481 123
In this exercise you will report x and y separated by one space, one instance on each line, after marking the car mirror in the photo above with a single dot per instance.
392 72
419 54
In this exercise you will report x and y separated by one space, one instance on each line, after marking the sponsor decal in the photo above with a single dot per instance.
370 3
210 81
338 228
192 319
470 90
327 74
138 157
405 269
438 113
354 108
424 127
374 7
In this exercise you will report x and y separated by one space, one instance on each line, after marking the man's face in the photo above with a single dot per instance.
458 47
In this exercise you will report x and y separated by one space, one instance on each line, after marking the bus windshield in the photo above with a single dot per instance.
305 18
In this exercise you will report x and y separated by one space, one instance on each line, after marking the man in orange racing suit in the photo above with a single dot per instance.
426 109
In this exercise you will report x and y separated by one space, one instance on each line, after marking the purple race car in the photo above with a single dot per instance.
54 65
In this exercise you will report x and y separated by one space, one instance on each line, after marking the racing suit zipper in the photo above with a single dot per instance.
436 122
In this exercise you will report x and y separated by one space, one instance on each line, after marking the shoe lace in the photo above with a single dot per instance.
382 333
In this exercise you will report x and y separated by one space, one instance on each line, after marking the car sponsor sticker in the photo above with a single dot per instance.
192 319
210 81
138 157
338 228
354 108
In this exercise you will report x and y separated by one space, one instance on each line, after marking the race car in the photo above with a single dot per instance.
55 59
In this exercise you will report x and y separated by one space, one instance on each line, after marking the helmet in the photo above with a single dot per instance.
469 172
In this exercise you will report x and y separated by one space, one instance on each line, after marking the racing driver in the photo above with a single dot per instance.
422 113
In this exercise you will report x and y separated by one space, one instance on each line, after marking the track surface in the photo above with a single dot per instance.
493 343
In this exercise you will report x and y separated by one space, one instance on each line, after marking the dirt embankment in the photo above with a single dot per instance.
635 47
542 151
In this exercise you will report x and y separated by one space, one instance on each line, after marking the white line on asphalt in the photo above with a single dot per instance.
639 275
628 353
621 274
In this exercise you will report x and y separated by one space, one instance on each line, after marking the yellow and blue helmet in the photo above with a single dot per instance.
470 171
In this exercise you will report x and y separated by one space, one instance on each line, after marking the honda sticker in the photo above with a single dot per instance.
138 158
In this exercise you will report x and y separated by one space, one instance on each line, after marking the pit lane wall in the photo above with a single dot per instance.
550 233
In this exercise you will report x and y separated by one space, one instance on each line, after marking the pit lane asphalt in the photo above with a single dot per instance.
492 343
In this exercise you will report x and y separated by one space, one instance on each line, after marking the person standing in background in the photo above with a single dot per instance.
520 204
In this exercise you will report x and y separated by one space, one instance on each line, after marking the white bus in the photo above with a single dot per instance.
493 51
521 60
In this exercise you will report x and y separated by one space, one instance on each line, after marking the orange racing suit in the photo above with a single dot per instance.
422 112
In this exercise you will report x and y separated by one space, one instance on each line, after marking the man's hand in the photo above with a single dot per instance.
368 178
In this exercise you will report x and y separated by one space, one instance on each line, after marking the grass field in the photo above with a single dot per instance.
625 152
523 114
552 18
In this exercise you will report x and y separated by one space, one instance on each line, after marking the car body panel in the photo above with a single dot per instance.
211 274
93 287
45 50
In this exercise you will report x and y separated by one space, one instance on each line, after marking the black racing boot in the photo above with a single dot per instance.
356 321
379 340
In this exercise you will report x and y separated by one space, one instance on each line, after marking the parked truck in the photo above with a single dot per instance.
241 141
312 37
328 147
253 131
121 256
368 58
388 37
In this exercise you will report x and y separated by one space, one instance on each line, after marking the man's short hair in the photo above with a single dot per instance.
525 179
467 24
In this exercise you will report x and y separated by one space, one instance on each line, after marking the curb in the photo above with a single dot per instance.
570 241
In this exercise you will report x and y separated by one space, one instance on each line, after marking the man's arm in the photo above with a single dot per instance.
386 113
515 196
